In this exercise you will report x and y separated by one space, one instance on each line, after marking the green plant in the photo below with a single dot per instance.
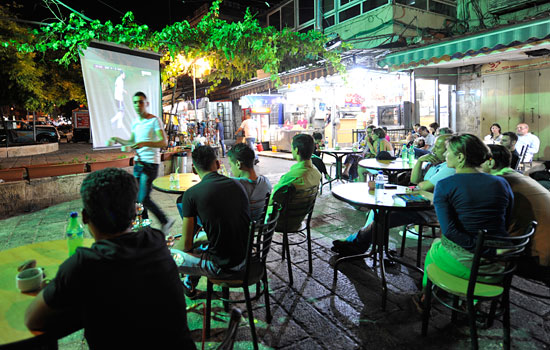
234 51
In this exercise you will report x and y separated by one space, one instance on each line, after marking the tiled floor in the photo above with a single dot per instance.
307 315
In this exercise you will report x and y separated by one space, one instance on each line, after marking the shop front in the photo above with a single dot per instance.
335 106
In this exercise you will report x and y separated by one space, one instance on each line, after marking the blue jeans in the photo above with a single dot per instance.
145 173
251 142
363 238
223 147
197 263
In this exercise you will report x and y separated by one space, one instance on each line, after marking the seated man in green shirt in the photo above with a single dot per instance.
302 175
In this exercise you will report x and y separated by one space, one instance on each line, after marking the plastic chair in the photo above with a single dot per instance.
296 206
255 273
488 250
40 342
420 235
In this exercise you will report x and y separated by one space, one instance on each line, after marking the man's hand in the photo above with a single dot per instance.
431 158
139 145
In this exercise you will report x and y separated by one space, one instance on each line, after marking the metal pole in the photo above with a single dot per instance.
195 91
34 126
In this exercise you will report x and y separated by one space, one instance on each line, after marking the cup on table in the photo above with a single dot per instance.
126 148
29 280
372 185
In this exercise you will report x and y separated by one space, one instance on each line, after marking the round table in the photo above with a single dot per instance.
339 154
186 180
359 195
48 255
389 167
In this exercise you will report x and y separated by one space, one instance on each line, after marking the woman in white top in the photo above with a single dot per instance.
495 136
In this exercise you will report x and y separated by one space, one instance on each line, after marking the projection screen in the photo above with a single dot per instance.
112 75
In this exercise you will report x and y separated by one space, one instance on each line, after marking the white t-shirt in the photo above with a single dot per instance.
250 128
528 140
430 140
489 140
145 130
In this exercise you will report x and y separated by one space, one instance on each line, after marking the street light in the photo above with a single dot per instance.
200 68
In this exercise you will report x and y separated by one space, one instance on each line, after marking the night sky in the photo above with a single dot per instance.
156 14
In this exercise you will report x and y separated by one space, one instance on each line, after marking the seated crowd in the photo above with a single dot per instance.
98 288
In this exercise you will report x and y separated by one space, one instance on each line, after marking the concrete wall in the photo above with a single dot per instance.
386 19
468 100
30 150
30 195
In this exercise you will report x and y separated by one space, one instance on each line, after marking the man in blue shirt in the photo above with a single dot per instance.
426 179
220 136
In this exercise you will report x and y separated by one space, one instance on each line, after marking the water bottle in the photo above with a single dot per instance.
326 142
75 233
404 152
411 154
378 185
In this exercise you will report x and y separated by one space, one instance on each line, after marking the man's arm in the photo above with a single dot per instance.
416 174
188 231
534 145
39 315
123 142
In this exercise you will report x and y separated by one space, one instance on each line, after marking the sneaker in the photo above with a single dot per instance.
345 248
256 161
166 227
188 288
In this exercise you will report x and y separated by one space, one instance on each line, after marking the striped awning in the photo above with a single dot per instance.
290 77
511 37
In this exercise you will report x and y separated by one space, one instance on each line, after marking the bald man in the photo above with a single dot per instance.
525 138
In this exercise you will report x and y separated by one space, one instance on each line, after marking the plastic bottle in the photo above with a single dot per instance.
378 185
404 152
75 233
411 154
326 142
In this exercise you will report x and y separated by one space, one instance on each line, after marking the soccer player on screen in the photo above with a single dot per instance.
119 97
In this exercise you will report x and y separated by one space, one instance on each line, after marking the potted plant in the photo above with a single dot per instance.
48 170
12 174
119 162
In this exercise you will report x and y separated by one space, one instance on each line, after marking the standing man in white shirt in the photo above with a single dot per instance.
251 134
147 138
525 138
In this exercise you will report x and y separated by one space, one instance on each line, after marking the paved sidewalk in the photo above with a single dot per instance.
307 315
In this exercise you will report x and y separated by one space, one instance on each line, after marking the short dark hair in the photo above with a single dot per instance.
379 132
304 144
242 153
423 128
417 124
446 131
474 150
317 136
203 157
511 135
371 127
109 198
434 125
140 94
501 155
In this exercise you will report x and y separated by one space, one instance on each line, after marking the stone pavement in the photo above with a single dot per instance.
307 315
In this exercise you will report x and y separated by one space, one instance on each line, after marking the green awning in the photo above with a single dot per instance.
502 39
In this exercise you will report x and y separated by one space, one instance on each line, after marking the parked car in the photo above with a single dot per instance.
18 132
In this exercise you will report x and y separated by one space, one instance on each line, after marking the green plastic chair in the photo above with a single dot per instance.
481 286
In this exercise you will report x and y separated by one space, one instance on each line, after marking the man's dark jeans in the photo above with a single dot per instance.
145 173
